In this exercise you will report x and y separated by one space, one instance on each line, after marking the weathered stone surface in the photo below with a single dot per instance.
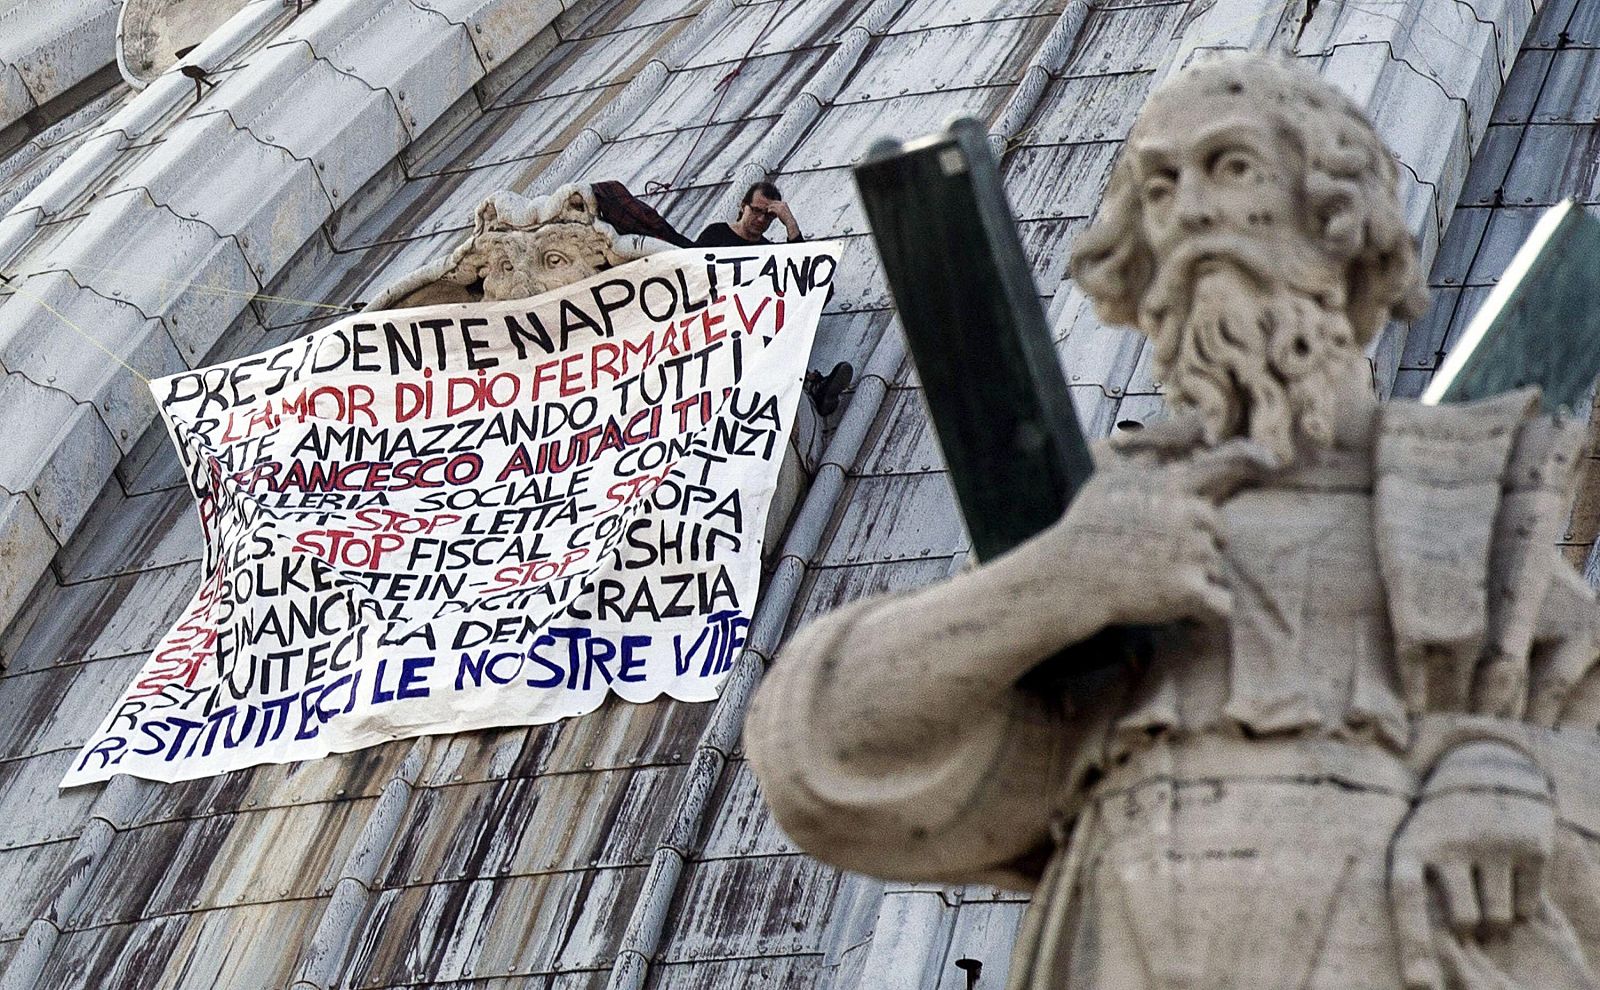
519 248
150 33
1371 675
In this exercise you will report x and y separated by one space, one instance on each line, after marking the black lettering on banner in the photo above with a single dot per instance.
540 499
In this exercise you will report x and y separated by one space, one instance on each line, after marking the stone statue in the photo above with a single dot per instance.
1363 752
519 248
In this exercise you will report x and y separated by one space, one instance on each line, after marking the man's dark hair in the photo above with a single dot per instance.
763 187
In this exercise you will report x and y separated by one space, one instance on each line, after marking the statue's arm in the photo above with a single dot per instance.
892 736
1483 829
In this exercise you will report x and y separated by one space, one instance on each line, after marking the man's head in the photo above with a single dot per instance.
1251 230
755 208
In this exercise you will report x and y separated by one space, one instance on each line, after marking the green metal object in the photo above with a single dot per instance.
1540 325
972 318
990 376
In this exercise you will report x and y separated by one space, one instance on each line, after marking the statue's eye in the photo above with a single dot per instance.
507 266
555 259
1158 188
1234 166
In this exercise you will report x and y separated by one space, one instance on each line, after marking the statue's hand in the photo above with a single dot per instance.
1468 863
1145 545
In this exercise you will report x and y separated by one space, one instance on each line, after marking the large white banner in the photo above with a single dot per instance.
456 517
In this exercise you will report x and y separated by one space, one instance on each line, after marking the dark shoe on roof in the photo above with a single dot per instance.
826 390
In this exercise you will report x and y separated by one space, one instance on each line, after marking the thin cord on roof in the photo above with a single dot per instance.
724 84
216 290
80 331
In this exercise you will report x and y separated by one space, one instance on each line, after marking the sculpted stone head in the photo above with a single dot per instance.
1252 230
516 264
519 248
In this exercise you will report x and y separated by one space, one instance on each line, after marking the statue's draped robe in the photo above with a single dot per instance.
1232 815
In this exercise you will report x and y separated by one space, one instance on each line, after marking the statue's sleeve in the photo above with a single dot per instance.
861 772
1565 667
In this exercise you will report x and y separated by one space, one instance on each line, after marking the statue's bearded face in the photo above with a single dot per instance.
1251 229
1246 310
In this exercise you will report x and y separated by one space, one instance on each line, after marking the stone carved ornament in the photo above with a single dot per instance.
519 248
1363 753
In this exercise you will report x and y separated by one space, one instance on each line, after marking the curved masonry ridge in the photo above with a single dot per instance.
49 46
232 190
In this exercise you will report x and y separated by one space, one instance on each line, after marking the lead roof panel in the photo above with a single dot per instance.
764 87
920 15
961 56
541 923
755 30
758 905
527 825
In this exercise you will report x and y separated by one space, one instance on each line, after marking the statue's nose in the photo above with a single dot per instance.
1195 211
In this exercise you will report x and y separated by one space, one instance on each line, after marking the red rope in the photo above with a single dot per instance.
723 84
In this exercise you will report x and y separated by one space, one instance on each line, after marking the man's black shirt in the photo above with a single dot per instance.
721 235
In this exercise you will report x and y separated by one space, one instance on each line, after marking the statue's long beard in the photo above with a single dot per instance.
1255 361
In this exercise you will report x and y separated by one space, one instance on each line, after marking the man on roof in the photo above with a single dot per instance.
762 203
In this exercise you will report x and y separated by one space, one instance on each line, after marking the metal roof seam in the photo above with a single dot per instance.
357 248
316 173
1051 56
131 572
49 840
322 962
343 71
41 385
597 87
66 747
476 51
1430 76
444 880
937 91
971 22
111 805
113 297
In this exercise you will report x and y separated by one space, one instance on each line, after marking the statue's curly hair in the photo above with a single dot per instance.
1348 185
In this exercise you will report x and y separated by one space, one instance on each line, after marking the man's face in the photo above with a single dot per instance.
756 215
